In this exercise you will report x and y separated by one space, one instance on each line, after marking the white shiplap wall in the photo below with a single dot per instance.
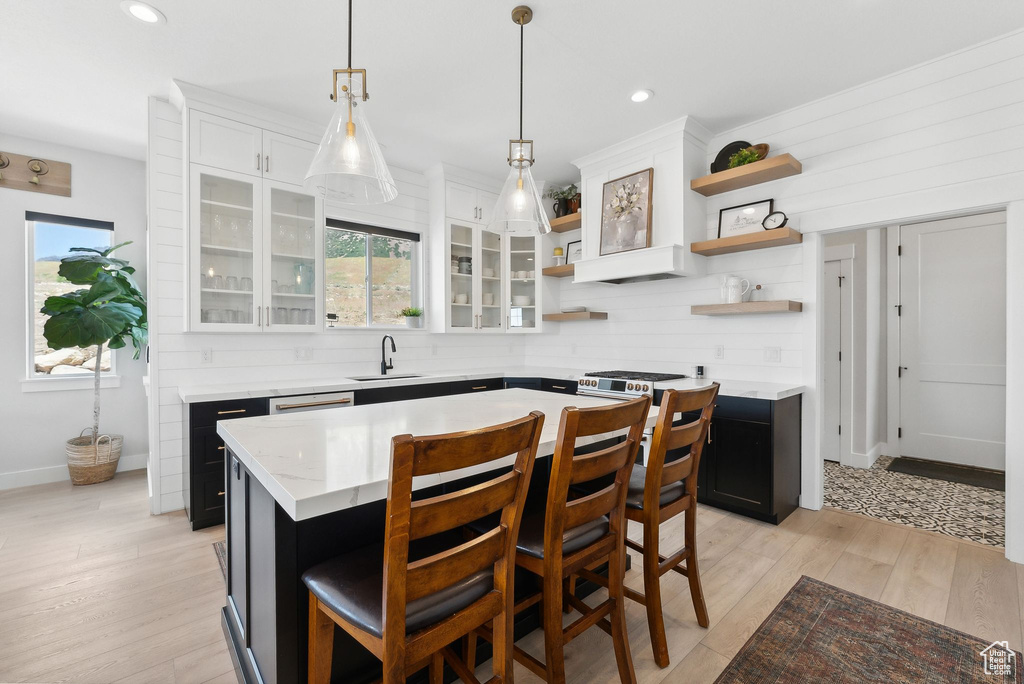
176 355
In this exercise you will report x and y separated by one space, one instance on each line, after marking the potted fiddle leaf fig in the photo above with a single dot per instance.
109 311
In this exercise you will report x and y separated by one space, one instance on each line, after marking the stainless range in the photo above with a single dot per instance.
618 384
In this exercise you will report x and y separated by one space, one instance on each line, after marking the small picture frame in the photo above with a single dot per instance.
744 218
574 251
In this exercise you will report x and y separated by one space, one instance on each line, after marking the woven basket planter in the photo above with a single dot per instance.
90 463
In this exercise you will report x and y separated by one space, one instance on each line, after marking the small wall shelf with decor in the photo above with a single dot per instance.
563 271
764 239
777 306
768 169
563 224
577 316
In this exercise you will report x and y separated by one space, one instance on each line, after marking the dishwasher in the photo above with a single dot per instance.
311 402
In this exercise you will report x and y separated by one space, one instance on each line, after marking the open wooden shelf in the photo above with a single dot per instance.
564 224
768 169
577 316
562 271
777 306
743 243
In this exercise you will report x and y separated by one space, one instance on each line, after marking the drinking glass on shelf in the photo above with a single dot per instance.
295 316
308 317
231 282
247 233
280 237
218 230
236 231
307 240
218 282
204 280
247 284
215 316
204 228
281 315
274 286
229 315
291 237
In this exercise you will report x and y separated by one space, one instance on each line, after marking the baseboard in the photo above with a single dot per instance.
59 473
867 460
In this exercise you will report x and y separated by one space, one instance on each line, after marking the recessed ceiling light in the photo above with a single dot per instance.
641 95
143 12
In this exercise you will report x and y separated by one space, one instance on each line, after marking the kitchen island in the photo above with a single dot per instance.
307 487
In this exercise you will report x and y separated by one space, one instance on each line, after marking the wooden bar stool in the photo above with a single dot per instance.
426 586
663 490
571 535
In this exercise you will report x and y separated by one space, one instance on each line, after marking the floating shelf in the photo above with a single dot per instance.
563 224
743 243
768 169
562 271
777 306
577 316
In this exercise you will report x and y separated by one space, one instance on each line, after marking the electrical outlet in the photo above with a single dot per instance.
303 353
720 352
207 355
773 354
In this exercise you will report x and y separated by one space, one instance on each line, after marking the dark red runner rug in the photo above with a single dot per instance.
820 633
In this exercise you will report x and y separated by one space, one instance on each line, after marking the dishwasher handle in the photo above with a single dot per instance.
312 404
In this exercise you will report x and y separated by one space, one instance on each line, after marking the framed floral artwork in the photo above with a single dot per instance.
626 213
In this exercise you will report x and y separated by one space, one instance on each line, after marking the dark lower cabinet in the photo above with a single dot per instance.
380 395
202 472
485 385
751 462
561 386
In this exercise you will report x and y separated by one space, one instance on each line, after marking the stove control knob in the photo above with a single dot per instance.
646 388
629 387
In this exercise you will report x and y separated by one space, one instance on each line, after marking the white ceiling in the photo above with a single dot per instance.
443 75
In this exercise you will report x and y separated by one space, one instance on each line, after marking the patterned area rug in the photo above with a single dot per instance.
820 633
959 510
220 549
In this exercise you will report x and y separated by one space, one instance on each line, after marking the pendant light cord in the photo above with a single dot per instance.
350 36
521 34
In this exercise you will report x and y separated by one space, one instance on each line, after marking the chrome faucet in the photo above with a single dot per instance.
385 363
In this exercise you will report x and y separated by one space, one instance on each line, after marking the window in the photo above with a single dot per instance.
51 237
371 274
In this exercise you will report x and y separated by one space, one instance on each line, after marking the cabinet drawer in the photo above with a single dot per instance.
467 386
525 383
210 493
208 413
380 395
563 386
207 450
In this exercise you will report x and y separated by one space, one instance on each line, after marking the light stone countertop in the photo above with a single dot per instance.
282 388
319 462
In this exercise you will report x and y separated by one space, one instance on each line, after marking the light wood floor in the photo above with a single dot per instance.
94 589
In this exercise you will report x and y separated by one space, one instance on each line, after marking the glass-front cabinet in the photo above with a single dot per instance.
523 284
475 280
253 254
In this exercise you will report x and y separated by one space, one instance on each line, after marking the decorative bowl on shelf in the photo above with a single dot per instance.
521 300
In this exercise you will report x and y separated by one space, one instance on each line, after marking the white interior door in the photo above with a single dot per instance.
953 340
836 444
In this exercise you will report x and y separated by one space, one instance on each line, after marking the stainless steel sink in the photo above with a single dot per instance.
368 378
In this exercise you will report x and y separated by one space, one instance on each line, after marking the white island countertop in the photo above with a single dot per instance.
282 388
324 461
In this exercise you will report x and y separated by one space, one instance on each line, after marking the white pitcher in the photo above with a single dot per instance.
734 288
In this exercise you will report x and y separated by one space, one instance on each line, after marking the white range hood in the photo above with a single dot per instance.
677 152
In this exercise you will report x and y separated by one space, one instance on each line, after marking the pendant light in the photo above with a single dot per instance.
519 211
348 167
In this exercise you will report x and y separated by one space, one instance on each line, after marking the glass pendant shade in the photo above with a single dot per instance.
349 167
519 211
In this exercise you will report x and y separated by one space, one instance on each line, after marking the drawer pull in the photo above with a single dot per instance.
222 413
558 387
480 387
220 493
332 402
221 448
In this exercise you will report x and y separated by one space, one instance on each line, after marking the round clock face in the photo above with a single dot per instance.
776 219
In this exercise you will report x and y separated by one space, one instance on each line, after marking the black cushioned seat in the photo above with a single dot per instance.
352 585
531 533
635 493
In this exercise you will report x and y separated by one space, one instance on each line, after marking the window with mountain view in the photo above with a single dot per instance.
371 274
51 238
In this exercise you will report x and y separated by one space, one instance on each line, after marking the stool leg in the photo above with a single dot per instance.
692 571
469 650
652 591
620 639
436 669
321 643
551 609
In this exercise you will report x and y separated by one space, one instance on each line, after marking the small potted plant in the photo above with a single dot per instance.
111 311
413 316
562 197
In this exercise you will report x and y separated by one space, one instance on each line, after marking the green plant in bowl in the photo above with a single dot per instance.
747 155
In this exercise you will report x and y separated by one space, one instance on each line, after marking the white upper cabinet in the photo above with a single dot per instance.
286 158
464 203
225 144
